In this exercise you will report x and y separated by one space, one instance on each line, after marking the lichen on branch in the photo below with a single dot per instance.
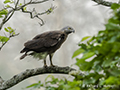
33 72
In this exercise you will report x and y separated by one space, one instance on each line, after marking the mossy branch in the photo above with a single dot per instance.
33 72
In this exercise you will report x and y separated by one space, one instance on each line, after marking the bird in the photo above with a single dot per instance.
46 44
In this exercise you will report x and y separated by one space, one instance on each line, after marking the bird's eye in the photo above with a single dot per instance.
69 28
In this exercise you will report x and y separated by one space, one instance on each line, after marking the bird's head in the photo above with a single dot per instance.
68 30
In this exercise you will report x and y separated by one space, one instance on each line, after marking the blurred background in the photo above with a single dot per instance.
85 16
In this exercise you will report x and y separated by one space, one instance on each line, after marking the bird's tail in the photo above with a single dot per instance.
23 56
23 50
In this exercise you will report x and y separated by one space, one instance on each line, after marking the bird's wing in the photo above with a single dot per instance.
41 35
45 40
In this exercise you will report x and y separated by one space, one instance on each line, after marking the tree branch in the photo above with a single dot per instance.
33 72
16 3
119 2
38 14
102 2
17 8
1 80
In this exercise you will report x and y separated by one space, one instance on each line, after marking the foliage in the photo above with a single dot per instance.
3 39
100 60
101 55
8 1
10 31
52 83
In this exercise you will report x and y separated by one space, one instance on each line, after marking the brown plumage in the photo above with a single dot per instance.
46 44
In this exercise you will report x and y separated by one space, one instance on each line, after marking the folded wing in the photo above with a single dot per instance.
42 42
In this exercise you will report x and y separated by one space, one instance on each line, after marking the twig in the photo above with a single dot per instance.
104 3
2 45
33 72
6 18
11 13
33 16
17 8
42 22
38 14
1 80
16 3
8 40
31 2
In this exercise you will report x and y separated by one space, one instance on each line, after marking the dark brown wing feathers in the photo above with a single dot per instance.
46 41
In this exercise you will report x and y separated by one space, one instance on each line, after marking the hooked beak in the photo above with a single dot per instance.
73 31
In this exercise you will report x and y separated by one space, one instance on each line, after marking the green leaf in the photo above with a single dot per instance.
85 38
9 28
116 47
7 6
49 76
97 66
90 40
53 81
115 6
32 85
3 12
115 72
107 63
87 55
112 26
83 65
20 4
112 80
11 31
50 10
6 30
105 48
8 1
1 16
77 52
35 85
83 46
25 8
3 39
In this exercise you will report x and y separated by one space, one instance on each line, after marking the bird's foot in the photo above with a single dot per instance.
53 65
45 66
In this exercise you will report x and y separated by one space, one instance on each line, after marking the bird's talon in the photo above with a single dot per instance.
45 66
52 65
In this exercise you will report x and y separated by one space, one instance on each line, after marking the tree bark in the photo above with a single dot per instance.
103 2
33 72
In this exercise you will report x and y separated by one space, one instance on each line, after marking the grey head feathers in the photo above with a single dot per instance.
68 30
